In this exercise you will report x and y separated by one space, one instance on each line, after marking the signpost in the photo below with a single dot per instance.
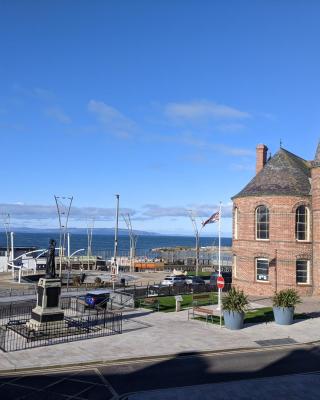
220 284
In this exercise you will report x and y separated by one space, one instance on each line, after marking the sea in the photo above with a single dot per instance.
103 244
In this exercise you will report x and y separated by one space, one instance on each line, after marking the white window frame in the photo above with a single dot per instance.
308 272
234 265
256 270
256 223
307 225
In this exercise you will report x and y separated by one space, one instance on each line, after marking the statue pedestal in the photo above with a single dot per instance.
48 313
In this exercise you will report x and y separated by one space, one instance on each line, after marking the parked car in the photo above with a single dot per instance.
179 280
195 280
96 297
226 275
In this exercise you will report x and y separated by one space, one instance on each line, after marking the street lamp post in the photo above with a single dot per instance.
197 236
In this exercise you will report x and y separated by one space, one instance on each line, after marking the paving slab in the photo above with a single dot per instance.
148 334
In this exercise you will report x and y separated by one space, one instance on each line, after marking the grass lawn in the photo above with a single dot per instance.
256 316
168 303
201 273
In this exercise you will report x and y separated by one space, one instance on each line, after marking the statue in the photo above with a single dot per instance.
51 265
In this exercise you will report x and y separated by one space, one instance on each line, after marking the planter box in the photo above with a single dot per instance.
283 315
233 319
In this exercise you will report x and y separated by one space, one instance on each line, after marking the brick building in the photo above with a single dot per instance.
276 226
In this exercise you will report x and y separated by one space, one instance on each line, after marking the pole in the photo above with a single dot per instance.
197 253
116 235
12 252
197 236
68 237
115 267
219 259
275 269
12 246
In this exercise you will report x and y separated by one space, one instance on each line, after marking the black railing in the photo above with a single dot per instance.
17 332
139 292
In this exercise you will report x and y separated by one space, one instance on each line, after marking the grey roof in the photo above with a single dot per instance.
317 156
284 174
316 161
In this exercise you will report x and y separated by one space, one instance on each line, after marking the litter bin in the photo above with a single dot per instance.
123 281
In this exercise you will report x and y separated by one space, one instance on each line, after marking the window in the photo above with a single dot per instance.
302 223
236 223
262 269
262 223
302 271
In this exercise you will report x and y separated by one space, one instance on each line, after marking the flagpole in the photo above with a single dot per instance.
219 258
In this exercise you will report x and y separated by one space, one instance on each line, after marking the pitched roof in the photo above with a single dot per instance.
284 174
316 161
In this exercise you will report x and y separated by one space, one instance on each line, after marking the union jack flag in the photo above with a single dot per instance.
214 218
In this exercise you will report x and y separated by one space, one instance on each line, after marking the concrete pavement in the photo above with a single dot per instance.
148 334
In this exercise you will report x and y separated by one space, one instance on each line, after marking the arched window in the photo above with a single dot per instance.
302 223
236 223
262 223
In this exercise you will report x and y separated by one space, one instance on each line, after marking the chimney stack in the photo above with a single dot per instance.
261 160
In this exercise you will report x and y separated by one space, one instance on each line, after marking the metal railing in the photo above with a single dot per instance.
17 332
139 292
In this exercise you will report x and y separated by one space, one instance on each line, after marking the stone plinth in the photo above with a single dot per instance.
48 311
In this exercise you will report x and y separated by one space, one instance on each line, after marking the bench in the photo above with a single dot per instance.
198 309
152 302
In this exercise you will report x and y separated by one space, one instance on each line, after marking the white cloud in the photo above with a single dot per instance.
58 114
204 144
153 211
203 110
21 211
113 121
234 151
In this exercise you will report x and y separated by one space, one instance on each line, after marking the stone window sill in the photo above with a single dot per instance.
304 284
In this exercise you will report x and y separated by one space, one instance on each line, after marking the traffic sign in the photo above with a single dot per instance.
220 282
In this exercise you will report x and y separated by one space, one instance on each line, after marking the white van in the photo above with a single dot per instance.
174 281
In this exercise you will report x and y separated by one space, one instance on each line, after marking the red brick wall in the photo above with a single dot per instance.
315 175
282 249
261 157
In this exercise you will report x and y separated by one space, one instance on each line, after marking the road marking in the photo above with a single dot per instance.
107 383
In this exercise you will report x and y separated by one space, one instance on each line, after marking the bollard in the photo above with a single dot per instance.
178 303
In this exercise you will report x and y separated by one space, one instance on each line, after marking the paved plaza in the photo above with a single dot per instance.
164 356
148 334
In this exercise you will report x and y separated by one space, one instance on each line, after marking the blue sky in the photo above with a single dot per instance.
162 102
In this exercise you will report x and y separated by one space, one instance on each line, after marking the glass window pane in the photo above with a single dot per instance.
302 271
302 223
262 269
262 223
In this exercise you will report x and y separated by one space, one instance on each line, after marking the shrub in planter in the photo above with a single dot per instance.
284 303
234 306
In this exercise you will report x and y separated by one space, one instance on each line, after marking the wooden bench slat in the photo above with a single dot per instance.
203 310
